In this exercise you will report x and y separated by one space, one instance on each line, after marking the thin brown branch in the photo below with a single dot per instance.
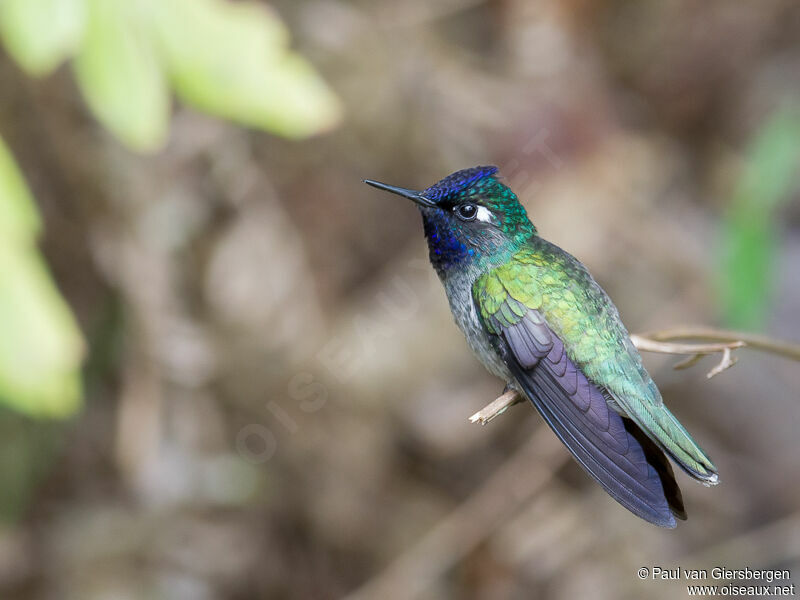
752 340
694 351
497 407
728 360
648 344
716 341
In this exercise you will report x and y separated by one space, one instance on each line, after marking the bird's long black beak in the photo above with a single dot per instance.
405 193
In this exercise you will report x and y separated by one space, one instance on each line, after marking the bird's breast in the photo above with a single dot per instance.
459 294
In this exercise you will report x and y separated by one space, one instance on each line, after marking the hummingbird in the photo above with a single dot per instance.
534 317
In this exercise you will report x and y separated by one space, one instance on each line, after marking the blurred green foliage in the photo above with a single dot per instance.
232 62
227 59
119 74
40 345
40 34
749 230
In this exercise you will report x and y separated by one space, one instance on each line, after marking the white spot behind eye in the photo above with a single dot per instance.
483 214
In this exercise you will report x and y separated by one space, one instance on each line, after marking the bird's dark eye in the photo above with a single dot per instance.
466 212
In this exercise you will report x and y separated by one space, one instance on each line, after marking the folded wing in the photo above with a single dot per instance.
611 449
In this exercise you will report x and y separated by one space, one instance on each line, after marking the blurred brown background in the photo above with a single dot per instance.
276 397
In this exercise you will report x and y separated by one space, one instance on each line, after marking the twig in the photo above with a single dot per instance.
694 351
717 341
709 334
497 407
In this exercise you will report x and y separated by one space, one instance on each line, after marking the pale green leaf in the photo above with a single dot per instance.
232 60
40 34
40 346
119 73
19 219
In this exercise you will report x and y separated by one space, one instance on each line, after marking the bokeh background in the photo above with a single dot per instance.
226 369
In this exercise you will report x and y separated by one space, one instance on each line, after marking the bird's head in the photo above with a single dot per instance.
469 216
